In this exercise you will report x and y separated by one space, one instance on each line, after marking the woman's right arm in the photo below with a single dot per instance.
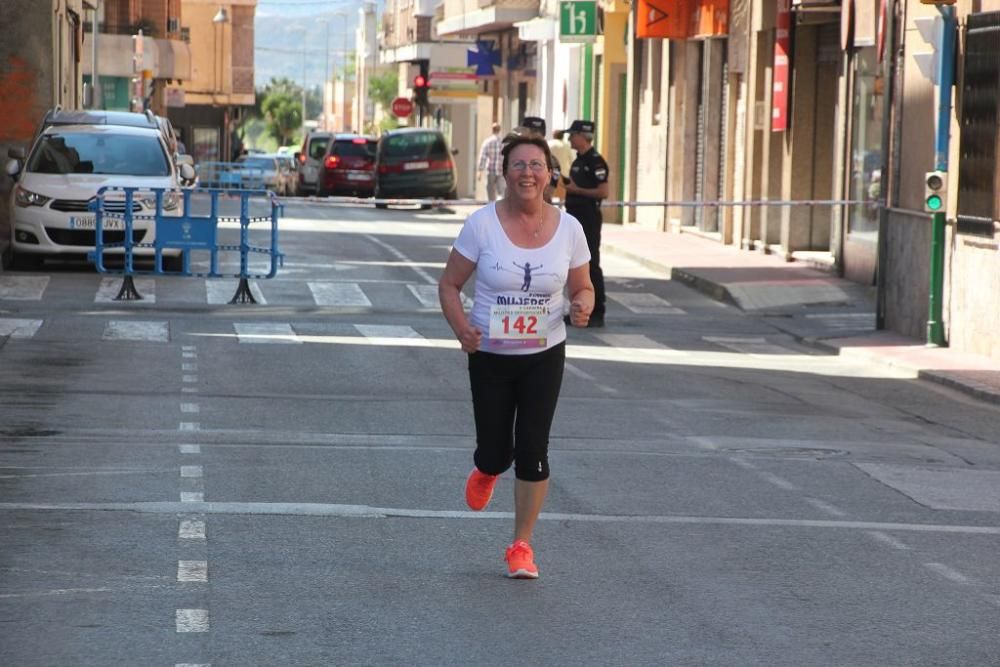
457 272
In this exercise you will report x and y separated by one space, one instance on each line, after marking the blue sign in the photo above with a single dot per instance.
484 58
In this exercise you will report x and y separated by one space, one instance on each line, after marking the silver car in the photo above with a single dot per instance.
311 161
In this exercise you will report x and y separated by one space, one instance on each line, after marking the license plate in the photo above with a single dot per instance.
90 222
416 165
359 177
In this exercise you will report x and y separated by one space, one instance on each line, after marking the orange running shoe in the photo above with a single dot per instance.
521 561
479 489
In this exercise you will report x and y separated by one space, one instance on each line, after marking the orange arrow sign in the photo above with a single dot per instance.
664 19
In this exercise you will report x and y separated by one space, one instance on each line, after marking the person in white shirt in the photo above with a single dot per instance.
524 252
490 164
561 149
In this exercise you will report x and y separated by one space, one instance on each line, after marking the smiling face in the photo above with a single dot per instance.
527 172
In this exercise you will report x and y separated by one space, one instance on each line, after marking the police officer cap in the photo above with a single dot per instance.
534 123
581 126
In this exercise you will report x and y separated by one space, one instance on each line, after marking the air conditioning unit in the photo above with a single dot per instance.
173 24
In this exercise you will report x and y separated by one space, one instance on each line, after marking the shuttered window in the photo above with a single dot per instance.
979 148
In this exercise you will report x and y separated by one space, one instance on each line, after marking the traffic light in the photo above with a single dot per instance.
421 84
935 191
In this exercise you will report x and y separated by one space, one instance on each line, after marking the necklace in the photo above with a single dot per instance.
538 226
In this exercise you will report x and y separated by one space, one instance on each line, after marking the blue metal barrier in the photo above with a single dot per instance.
179 232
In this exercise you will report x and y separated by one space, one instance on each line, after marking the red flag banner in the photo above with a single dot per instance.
782 67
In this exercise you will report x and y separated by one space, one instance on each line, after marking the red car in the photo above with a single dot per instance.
348 167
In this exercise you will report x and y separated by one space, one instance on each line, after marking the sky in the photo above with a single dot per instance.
302 8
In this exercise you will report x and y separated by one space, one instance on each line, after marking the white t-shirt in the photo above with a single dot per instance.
518 302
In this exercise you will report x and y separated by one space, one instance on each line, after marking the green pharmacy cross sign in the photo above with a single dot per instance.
578 21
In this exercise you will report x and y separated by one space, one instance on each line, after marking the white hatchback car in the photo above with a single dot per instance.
50 203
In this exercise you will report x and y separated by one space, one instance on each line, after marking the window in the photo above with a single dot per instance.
206 144
866 144
112 154
979 152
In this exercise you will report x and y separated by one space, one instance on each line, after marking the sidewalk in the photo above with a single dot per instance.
814 306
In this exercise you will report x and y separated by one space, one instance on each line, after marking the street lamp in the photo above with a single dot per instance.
220 19
343 78
326 80
343 53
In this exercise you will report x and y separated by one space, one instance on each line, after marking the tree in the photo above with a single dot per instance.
383 88
283 114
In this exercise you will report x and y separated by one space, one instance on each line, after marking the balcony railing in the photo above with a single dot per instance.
148 29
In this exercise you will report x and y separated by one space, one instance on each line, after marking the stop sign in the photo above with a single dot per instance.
402 107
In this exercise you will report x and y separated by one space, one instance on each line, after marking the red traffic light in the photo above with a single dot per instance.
420 81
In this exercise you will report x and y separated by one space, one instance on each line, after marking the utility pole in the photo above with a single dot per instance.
946 79
95 81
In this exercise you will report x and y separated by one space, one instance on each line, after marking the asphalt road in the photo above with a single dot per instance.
187 482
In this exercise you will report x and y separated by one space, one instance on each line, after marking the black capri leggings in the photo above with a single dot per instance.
514 399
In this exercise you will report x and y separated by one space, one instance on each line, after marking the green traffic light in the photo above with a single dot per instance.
934 203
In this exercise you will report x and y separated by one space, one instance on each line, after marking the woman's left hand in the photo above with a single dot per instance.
579 312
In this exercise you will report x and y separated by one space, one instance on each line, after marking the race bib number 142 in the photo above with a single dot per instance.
518 326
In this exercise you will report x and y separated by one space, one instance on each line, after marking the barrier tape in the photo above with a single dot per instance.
439 203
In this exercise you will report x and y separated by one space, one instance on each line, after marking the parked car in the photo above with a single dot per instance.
414 163
147 119
262 171
289 174
349 166
49 205
311 160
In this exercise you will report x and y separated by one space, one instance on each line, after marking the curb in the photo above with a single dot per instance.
710 289
720 293
965 386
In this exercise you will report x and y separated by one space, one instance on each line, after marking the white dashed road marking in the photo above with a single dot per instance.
643 303
824 506
265 332
192 620
191 529
192 570
947 572
158 332
23 288
386 331
18 328
427 295
747 345
339 294
886 538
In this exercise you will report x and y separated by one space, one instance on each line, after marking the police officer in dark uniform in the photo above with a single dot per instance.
533 126
586 187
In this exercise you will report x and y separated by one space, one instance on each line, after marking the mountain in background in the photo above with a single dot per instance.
291 39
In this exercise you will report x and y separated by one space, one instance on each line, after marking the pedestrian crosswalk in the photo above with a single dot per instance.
345 294
427 332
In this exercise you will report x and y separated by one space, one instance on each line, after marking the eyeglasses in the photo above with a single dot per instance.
536 166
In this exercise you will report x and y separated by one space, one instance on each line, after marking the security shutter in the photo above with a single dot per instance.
978 175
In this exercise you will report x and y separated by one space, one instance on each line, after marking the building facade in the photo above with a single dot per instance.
815 114
221 87
40 68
